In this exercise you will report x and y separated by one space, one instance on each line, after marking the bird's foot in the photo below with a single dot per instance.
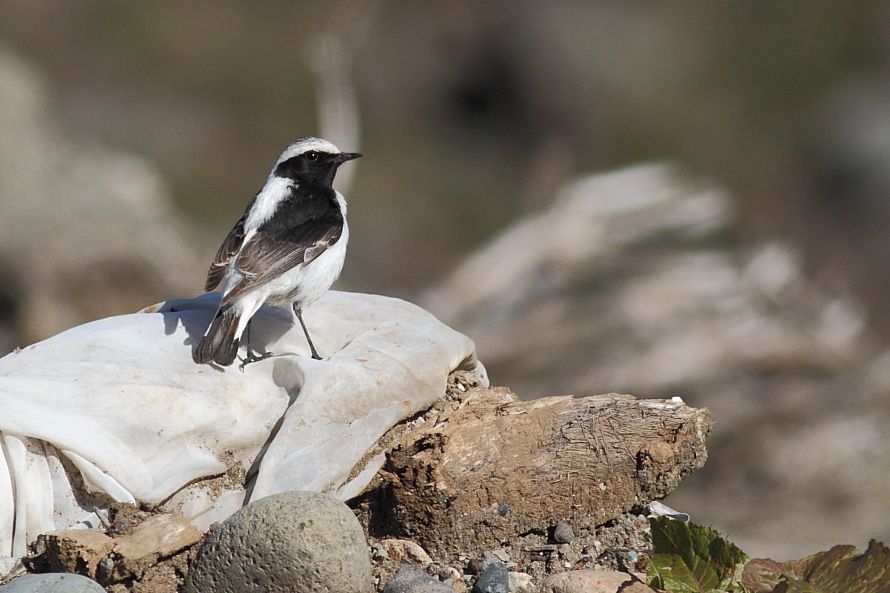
252 357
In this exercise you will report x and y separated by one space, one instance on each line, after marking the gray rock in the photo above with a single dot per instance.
53 582
562 533
295 541
411 580
494 579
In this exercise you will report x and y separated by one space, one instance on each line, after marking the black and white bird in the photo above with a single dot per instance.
286 250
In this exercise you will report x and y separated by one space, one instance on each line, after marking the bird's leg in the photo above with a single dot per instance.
251 355
299 312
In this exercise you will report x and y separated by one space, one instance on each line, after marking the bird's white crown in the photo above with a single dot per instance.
303 145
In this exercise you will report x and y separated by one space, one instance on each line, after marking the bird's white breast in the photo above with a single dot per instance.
306 283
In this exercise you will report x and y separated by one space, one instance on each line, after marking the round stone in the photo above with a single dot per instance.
562 533
294 541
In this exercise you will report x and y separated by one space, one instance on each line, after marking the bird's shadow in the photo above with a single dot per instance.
267 326
291 377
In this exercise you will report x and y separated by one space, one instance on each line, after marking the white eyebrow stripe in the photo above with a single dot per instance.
305 145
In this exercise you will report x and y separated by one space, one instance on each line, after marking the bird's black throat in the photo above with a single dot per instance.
307 213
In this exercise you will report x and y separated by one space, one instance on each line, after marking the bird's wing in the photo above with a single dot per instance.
224 255
263 258
226 252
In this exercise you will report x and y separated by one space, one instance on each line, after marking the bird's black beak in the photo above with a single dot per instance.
346 156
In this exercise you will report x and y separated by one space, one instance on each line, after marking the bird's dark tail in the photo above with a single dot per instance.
219 344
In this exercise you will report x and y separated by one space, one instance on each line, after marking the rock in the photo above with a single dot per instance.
161 535
411 580
401 549
295 541
585 581
562 533
137 554
457 512
52 583
496 555
494 579
631 557
73 550
475 566
157 537
518 582
450 574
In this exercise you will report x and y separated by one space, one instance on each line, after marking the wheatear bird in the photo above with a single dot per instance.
287 248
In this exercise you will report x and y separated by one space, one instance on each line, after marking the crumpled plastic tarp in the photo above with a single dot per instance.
115 410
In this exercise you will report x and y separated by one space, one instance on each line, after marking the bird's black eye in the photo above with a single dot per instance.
311 156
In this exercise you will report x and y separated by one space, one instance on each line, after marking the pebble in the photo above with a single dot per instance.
52 582
294 541
411 580
570 555
460 586
585 581
519 582
475 566
498 555
403 549
494 579
447 572
562 533
632 558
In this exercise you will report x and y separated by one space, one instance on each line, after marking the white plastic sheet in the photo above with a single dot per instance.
117 410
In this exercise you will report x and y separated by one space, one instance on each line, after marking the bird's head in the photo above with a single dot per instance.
311 160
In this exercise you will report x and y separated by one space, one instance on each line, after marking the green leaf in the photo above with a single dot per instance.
690 558
671 573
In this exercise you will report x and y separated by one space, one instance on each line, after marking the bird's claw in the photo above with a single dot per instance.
252 357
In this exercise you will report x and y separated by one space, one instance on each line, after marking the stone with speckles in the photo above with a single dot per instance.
294 541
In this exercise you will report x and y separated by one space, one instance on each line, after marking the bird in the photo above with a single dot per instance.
287 249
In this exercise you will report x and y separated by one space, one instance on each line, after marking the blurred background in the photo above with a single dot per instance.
674 199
